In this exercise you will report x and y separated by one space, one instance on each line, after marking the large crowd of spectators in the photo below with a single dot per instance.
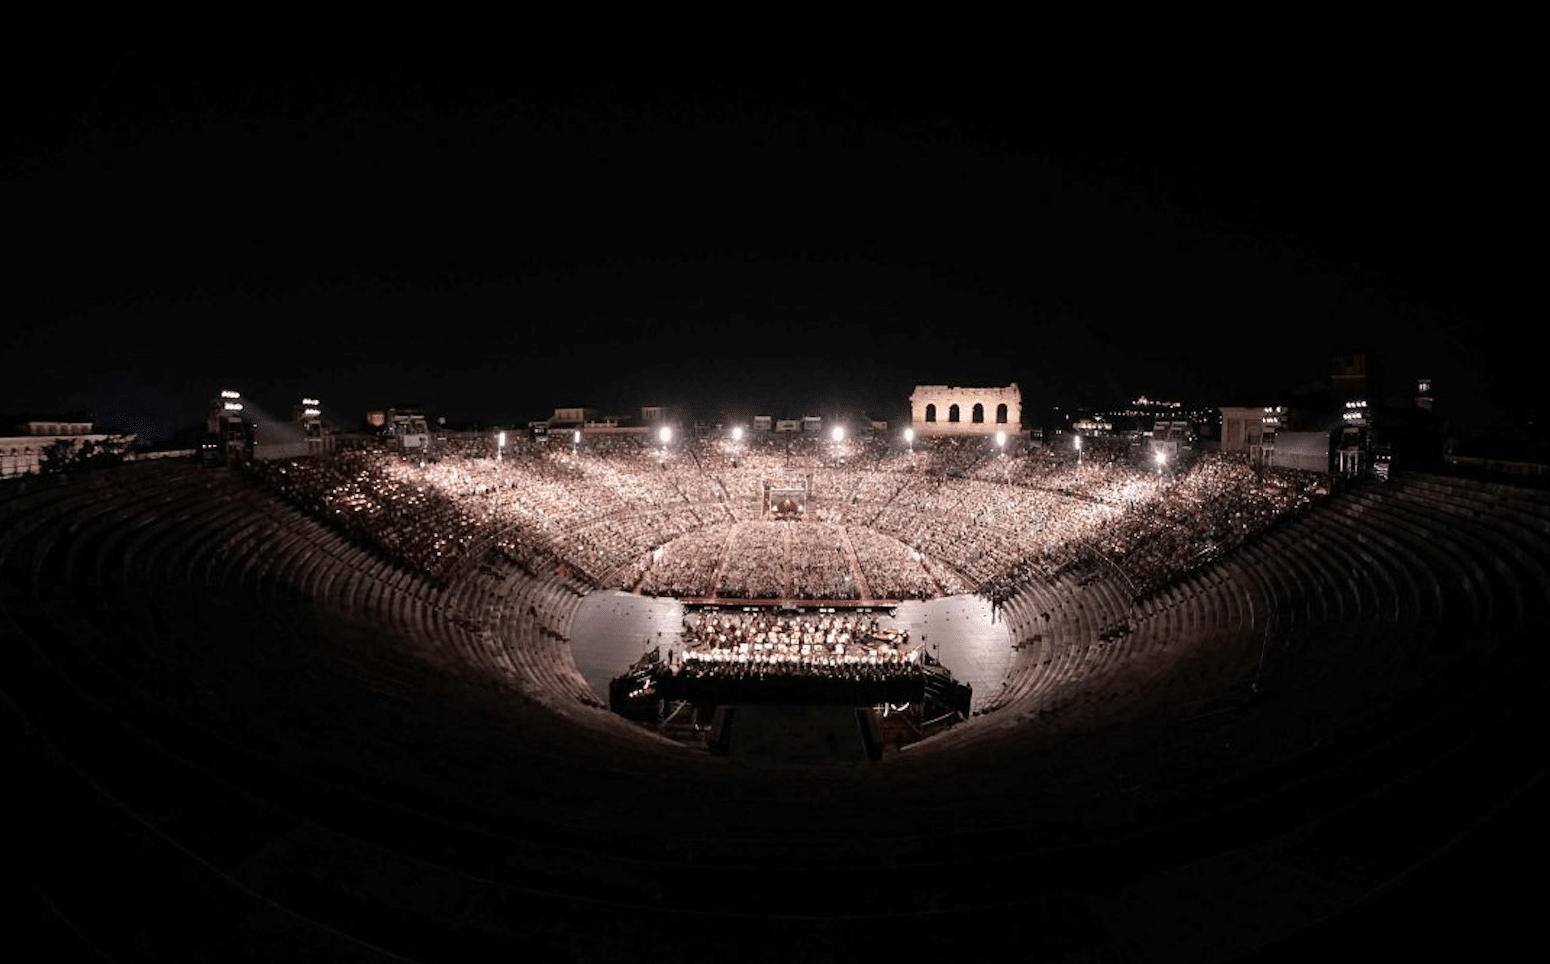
693 520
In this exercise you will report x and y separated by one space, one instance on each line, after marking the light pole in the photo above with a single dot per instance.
909 439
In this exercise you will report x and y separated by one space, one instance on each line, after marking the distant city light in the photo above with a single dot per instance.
228 393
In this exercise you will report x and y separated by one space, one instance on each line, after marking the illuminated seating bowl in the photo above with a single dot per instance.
243 735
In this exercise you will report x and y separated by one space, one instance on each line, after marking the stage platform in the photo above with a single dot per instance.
800 605
613 629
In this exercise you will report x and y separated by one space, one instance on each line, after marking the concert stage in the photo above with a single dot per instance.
613 629
729 661
802 605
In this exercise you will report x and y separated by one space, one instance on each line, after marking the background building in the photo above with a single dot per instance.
44 444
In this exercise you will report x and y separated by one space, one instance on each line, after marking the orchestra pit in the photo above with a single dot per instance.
338 707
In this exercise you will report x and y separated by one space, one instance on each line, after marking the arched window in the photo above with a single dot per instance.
952 412
931 411
1001 414
977 414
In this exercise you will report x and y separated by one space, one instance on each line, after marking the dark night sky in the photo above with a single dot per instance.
441 232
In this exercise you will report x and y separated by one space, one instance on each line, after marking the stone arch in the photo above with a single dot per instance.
959 410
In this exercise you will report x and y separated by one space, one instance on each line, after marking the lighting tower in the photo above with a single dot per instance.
308 417
233 433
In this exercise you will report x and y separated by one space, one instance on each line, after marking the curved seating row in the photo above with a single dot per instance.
1374 557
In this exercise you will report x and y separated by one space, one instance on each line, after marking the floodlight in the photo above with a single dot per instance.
501 439
666 434
737 434
909 435
1001 439
839 433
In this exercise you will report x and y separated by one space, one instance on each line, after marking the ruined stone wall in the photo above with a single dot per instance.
958 410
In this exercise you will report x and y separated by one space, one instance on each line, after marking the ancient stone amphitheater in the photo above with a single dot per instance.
240 736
